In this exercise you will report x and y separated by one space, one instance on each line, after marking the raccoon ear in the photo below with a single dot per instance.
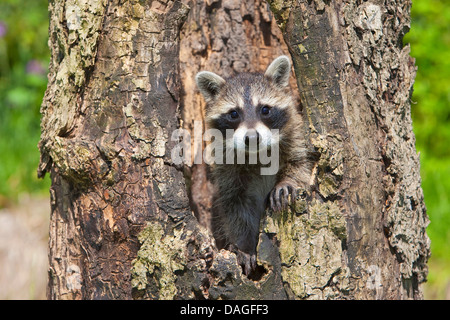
279 71
209 84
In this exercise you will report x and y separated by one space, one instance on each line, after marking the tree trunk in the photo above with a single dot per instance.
124 222
363 236
111 105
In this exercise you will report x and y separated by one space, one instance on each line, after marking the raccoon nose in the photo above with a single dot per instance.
253 137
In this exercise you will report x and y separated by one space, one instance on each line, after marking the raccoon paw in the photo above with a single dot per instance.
246 260
279 196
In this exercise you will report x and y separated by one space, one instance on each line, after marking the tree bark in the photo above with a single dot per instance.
111 105
363 236
128 223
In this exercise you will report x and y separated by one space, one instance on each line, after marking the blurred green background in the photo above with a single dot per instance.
24 57
429 38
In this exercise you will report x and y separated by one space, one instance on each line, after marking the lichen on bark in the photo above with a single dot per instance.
310 245
111 104
121 225
355 79
160 256
74 31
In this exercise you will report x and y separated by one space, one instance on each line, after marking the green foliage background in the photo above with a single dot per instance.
24 57
429 38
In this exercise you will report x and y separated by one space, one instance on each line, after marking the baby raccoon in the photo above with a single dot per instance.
261 111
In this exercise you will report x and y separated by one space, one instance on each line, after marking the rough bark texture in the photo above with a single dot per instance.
224 37
122 77
364 232
110 107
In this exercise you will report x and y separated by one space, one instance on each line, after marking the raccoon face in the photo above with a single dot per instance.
255 106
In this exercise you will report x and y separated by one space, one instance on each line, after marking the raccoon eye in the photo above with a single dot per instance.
234 114
265 110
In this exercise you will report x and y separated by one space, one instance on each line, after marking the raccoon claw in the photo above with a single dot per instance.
279 196
247 261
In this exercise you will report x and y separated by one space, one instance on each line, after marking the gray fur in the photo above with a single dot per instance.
242 193
209 84
279 71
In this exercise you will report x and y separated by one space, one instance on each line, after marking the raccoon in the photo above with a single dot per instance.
261 111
